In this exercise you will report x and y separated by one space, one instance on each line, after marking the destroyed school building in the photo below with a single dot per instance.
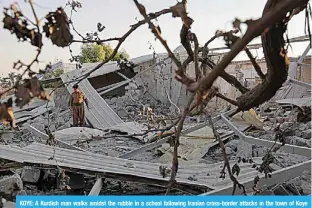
114 156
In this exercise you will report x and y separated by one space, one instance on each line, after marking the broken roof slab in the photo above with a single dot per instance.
205 175
112 66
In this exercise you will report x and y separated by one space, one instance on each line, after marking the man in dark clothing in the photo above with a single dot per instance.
76 103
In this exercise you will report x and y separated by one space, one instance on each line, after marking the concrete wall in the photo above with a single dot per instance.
159 81
303 72
61 98
108 79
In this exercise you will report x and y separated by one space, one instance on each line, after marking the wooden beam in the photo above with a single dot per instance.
278 176
96 189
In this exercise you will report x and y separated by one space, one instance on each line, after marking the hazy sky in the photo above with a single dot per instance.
118 15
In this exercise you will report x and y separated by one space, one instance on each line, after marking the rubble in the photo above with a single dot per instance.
30 174
10 186
298 141
198 148
7 136
306 134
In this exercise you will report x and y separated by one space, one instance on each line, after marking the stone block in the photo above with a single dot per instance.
306 134
11 184
244 149
30 175
7 136
228 150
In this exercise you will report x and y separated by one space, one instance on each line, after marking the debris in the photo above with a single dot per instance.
298 141
244 149
280 190
7 136
76 181
22 192
192 178
164 171
274 167
10 185
249 117
30 174
306 134
62 180
266 193
129 165
229 150
292 188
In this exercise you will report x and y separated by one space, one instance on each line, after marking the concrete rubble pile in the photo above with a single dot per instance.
294 122
137 104
51 125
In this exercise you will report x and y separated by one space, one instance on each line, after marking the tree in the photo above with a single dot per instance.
91 53
53 74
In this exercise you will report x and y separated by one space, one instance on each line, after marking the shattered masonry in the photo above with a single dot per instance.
111 153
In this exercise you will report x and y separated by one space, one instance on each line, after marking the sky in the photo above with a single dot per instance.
118 15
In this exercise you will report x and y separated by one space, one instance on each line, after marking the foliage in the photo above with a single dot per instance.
53 74
92 53
57 28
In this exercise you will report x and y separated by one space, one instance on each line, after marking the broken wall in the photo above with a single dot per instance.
159 81
303 73
106 80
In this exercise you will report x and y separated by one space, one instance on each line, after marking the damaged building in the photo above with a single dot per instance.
114 154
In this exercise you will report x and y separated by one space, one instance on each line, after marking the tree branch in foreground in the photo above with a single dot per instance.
226 160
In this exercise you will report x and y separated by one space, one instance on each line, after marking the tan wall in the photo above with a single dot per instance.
304 71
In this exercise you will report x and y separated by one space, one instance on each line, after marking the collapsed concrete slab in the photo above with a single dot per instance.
74 134
11 184
100 115
30 175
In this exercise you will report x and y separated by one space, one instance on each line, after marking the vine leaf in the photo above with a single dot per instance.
28 90
16 23
236 24
57 28
100 27
179 10
236 169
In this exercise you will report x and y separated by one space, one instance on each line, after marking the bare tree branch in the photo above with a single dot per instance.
233 102
226 160
196 50
157 33
123 38
255 64
274 15
175 162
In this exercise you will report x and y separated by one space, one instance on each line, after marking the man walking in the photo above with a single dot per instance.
76 102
